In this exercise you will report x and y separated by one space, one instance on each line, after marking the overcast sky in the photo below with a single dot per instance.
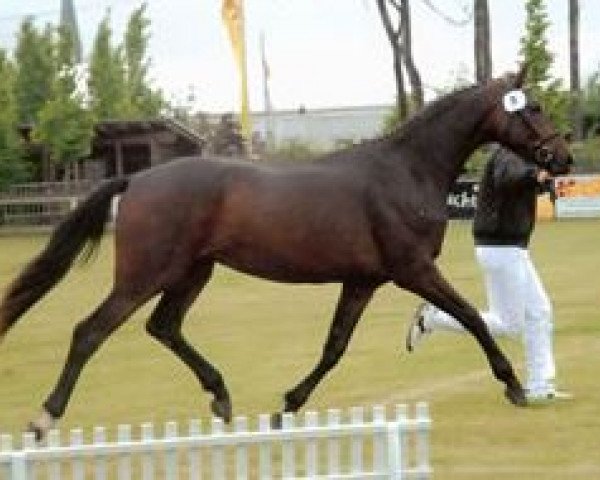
320 52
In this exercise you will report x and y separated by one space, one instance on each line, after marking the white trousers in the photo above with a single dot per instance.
517 306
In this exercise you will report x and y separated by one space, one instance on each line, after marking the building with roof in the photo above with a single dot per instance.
323 128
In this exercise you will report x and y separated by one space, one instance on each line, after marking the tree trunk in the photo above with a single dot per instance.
483 56
394 39
576 115
411 69
401 98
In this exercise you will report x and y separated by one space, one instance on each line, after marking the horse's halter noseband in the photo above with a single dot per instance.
515 104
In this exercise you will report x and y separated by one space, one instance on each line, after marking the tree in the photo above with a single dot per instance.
394 39
35 70
535 53
35 74
64 125
142 100
12 168
42 91
576 113
400 41
591 105
118 84
483 56
107 82
411 69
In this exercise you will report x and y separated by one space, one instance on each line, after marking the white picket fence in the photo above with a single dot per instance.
358 444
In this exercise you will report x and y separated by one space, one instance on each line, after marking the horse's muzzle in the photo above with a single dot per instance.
555 164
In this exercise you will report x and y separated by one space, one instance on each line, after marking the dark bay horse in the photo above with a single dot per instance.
364 216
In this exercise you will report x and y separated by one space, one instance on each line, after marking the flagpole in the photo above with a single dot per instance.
245 113
233 16
267 106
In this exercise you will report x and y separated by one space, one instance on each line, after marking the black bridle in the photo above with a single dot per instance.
542 154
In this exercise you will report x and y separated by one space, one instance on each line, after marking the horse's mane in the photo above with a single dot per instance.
421 118
433 110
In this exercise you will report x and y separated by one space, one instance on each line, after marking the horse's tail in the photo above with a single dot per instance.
84 226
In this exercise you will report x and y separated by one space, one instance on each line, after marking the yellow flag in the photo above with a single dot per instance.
233 17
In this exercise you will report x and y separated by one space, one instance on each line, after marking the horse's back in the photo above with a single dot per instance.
296 223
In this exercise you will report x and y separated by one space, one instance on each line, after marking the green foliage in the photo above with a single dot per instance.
12 169
118 84
476 163
534 46
534 51
107 83
65 60
293 151
142 100
43 91
591 105
35 70
587 155
392 120
64 126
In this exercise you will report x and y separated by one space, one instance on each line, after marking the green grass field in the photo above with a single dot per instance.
264 337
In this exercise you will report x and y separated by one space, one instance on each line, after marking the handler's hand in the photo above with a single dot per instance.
543 176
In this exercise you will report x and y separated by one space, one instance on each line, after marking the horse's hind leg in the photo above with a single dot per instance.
352 302
165 325
88 335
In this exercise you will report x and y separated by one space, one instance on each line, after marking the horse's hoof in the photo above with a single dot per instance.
41 426
37 431
516 396
221 409
276 421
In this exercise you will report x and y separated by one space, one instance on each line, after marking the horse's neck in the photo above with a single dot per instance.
443 144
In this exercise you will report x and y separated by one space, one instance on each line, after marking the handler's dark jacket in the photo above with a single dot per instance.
506 205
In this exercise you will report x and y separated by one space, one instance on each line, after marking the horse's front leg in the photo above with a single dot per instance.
353 300
432 286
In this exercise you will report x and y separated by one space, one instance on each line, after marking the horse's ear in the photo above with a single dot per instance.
521 75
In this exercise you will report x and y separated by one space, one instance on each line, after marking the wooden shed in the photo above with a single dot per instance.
122 147
118 147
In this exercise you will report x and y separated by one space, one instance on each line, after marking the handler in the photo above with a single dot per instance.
517 301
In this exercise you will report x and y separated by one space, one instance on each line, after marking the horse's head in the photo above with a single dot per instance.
518 123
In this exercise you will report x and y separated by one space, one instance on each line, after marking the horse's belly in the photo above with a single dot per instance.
287 274
300 263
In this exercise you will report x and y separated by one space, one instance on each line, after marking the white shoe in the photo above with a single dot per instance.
548 396
417 329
